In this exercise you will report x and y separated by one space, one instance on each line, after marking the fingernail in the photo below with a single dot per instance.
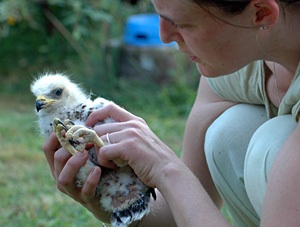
80 154
96 171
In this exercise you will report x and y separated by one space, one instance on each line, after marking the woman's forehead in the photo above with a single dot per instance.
174 9
173 4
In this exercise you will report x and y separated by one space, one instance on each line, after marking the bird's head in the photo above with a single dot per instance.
55 90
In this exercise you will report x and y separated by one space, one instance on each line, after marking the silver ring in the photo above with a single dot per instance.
263 27
107 138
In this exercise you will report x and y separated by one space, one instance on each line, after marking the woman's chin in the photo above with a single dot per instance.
207 71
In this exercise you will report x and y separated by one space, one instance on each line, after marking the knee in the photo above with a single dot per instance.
268 139
233 129
262 150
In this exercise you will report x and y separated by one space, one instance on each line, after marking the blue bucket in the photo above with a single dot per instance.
143 30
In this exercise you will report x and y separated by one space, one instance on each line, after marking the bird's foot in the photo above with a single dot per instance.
76 137
79 136
60 128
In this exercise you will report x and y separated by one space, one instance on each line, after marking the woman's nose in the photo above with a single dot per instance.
168 32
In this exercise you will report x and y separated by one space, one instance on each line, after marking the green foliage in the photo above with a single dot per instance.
12 12
178 96
70 36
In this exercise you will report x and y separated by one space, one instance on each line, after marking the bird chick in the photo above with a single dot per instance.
63 106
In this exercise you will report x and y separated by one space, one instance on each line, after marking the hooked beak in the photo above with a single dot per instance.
42 102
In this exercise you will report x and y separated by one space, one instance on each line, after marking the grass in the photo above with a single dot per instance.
28 192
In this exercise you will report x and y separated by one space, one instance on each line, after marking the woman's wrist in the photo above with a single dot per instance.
169 176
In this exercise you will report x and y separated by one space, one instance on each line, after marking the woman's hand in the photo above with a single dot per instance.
64 168
132 140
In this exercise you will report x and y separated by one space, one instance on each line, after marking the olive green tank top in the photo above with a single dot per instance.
248 86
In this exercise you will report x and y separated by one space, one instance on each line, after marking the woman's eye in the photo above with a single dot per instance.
58 92
176 25
173 24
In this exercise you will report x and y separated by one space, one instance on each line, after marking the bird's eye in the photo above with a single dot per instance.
58 92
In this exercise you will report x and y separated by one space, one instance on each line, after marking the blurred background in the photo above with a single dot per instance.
93 41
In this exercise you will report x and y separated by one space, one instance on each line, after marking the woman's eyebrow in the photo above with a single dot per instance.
166 18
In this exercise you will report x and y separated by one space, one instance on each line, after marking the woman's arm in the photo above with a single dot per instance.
188 200
155 163
207 107
134 142
282 202
158 166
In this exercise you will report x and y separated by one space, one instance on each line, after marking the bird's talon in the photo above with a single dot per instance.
70 122
74 143
59 124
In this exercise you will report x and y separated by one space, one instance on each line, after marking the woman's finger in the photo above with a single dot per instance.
89 188
61 157
119 128
50 146
110 152
110 111
65 180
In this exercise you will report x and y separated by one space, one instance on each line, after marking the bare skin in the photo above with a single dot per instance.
155 163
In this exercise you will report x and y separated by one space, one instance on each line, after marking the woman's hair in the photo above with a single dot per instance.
235 6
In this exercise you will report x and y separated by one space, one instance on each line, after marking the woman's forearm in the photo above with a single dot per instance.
189 202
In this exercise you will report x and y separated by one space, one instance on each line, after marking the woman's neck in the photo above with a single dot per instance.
285 37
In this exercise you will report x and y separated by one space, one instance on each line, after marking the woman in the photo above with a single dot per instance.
241 143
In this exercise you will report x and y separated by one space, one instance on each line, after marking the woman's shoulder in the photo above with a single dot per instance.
291 100
246 85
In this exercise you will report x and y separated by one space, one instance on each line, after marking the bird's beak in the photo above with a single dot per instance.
42 102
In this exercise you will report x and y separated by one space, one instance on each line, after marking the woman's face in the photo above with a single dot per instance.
217 47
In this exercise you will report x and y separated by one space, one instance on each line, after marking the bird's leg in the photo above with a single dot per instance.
60 127
79 136
76 136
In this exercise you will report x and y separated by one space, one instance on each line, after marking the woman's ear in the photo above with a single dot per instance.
266 12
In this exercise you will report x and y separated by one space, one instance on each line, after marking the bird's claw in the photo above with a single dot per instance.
74 143
59 125
76 136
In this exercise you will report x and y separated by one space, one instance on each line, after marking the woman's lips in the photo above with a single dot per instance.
193 58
